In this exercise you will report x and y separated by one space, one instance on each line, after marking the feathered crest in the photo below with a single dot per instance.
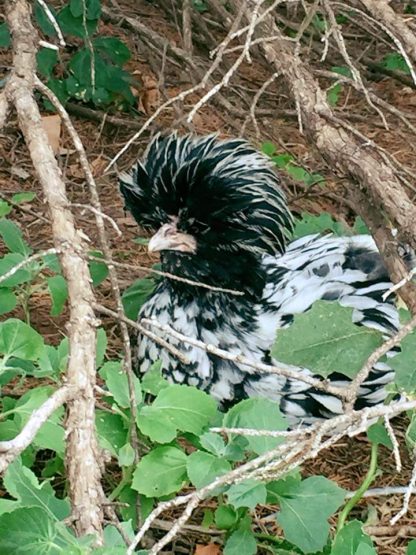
225 193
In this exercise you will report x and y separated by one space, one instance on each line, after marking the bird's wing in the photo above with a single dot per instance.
349 270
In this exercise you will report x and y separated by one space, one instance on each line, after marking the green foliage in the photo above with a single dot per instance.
288 163
325 340
135 296
176 408
304 511
395 62
351 540
161 472
404 364
94 74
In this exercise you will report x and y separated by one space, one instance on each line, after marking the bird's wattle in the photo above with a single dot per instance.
219 217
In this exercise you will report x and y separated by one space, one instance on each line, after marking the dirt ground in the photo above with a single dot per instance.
347 462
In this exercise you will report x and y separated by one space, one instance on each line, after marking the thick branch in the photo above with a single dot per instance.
381 11
345 152
82 451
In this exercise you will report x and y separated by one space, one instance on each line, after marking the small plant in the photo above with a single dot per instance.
94 74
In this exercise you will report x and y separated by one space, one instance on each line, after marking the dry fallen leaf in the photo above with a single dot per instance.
210 549
52 127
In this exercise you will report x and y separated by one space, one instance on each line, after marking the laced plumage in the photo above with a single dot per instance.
219 217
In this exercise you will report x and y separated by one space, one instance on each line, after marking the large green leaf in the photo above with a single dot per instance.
161 472
241 542
8 262
304 510
134 296
13 238
116 381
258 414
325 340
404 364
51 433
5 39
112 47
177 407
351 540
203 468
8 300
30 531
112 434
22 484
247 494
17 339
58 290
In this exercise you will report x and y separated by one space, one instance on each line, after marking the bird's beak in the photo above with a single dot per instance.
169 238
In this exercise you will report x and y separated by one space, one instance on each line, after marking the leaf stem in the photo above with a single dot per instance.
371 474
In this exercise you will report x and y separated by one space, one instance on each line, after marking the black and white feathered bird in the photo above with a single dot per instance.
219 217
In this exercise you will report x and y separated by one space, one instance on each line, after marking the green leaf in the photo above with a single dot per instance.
411 548
153 381
310 224
268 148
213 443
247 494
325 340
241 542
24 196
258 414
377 433
5 208
178 407
5 38
51 433
404 364
58 290
8 300
161 472
98 270
8 262
117 383
395 62
333 94
17 339
13 238
203 468
342 70
298 173
93 8
43 20
113 48
7 506
349 540
225 517
30 531
126 455
135 296
71 25
112 434
282 160
22 484
46 59
304 510
411 433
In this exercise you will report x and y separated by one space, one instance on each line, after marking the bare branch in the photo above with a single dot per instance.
82 450
29 260
10 449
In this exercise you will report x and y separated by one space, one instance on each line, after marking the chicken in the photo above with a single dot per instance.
218 217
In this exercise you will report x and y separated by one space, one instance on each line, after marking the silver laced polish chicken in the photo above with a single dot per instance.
219 217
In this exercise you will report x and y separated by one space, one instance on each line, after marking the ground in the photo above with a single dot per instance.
347 462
